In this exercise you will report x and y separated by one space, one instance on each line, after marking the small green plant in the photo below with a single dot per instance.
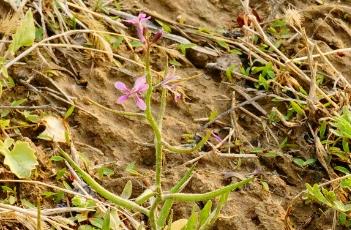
304 163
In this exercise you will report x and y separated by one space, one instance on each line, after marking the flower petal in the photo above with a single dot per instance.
217 137
122 87
140 85
177 96
140 103
122 99
140 33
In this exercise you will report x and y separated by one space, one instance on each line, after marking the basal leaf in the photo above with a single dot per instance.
127 191
205 212
25 33
21 159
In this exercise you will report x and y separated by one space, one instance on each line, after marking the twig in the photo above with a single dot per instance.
230 110
23 107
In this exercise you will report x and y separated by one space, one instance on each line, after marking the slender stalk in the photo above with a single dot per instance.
205 196
157 140
153 122
101 190
166 208
162 108
122 113
197 147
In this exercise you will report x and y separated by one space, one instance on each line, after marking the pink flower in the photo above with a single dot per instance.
138 22
170 84
140 86
216 137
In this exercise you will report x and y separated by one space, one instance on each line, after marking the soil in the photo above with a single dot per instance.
122 140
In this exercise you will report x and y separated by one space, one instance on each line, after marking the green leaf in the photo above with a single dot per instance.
136 44
60 174
27 204
265 186
69 112
175 62
272 154
346 183
104 171
116 41
21 159
214 215
322 129
192 221
342 218
12 200
309 162
127 191
56 158
58 197
316 194
297 108
223 44
31 117
205 212
25 33
342 169
229 71
106 223
212 116
132 169
4 123
97 222
263 82
79 201
184 47
8 189
39 34
345 145
5 112
165 27
299 162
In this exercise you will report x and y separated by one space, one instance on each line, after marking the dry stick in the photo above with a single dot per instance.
291 65
231 109
32 214
68 98
44 43
320 55
39 8
241 91
105 18
313 68
21 107
55 211
282 119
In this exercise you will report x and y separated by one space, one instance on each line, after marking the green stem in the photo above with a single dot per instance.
188 151
205 196
162 108
166 208
122 113
157 139
101 190
147 194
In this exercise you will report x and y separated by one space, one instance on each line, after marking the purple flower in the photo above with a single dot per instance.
140 86
158 35
170 84
138 22
216 137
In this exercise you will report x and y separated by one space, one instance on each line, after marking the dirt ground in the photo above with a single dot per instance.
118 141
